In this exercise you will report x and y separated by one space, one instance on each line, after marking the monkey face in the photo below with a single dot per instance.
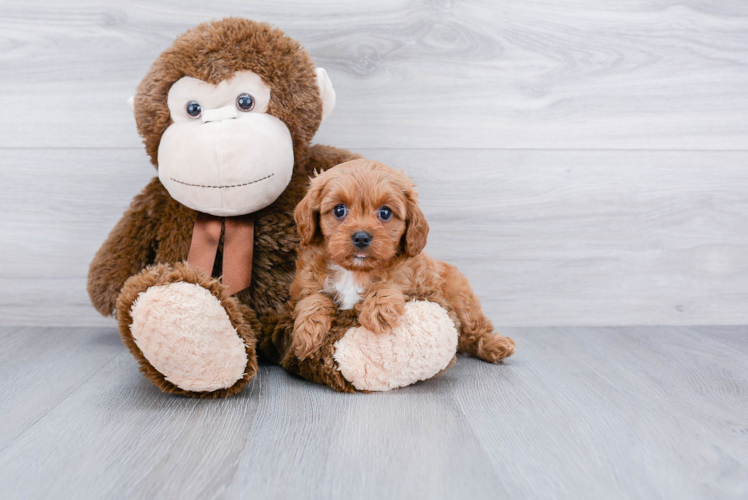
223 143
224 154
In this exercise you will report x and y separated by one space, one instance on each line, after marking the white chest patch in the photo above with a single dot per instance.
341 284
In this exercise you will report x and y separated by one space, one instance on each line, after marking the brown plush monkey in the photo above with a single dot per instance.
227 114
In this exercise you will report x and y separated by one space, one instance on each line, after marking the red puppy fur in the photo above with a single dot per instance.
362 236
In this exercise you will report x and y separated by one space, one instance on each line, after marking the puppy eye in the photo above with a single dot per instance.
339 211
194 110
245 102
385 213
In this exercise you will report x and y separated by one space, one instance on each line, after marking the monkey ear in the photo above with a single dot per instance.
326 92
416 229
306 213
131 104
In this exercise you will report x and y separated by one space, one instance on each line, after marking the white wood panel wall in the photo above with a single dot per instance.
584 162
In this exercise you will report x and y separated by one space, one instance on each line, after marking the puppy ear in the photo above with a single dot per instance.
416 229
306 213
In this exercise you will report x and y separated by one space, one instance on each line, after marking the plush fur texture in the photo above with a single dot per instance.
388 265
156 230
242 318
322 367
148 246
423 346
213 52
186 334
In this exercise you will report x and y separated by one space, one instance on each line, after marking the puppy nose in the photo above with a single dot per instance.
361 239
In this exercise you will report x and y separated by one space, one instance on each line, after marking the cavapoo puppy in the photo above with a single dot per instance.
362 235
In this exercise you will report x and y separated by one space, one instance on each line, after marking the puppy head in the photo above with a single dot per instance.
363 213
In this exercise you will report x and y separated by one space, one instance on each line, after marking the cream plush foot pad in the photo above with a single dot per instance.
185 333
420 348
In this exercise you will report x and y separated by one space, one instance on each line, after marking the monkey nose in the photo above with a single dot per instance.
216 115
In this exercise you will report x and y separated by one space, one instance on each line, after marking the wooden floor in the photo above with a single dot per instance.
640 412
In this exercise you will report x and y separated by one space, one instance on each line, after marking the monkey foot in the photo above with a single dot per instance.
424 345
186 339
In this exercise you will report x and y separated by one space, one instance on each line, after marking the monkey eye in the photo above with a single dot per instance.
194 110
245 102
339 211
385 213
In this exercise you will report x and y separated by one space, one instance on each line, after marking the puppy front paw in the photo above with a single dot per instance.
382 311
312 322
308 336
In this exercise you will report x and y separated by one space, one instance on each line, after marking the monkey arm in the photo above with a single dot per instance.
127 250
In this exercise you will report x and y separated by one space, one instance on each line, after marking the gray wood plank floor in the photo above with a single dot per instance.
577 413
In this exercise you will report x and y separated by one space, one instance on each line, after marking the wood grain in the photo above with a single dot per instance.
650 74
415 446
118 419
734 337
577 413
40 367
587 407
546 237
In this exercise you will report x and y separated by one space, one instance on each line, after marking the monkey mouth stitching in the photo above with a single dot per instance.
217 187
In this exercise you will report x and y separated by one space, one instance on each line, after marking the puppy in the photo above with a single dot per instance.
362 235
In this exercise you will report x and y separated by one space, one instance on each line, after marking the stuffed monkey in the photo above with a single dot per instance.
198 269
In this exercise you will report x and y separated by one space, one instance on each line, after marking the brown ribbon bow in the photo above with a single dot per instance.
238 243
